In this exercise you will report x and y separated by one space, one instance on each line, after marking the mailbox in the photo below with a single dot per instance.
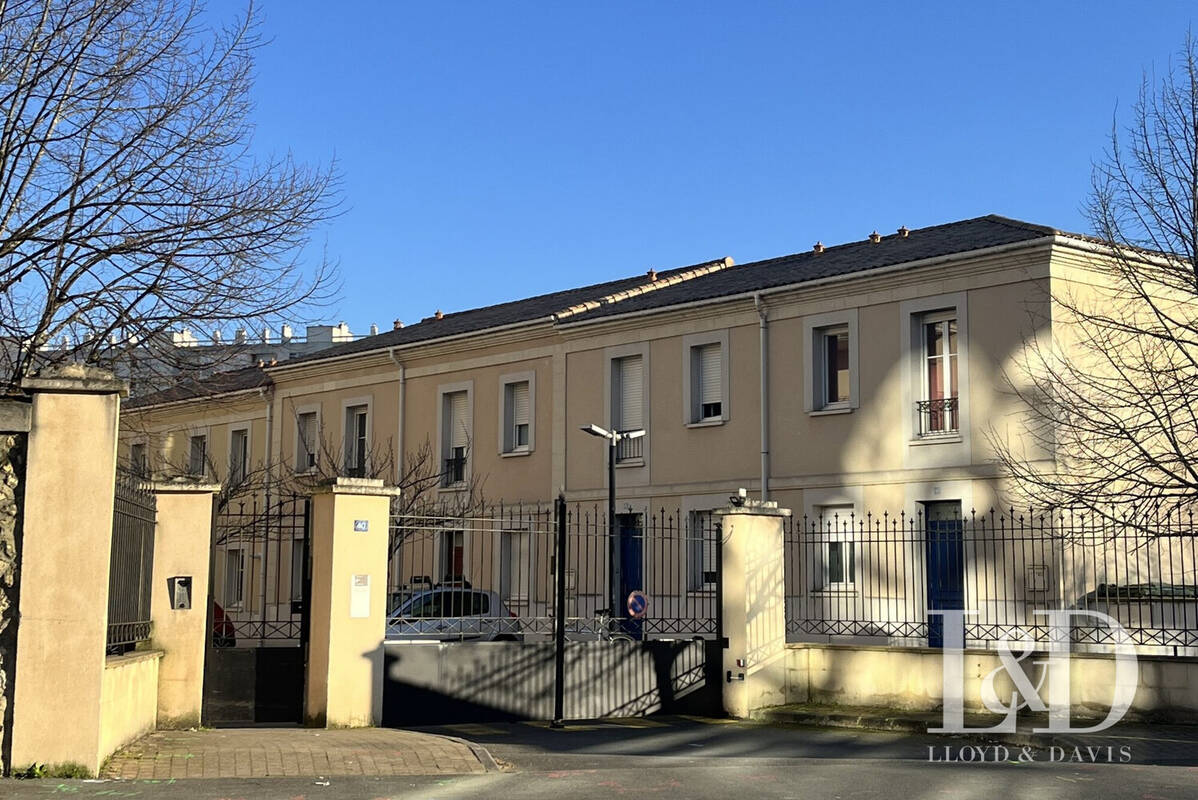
179 591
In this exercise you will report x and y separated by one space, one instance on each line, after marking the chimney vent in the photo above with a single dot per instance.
397 324
903 232
374 329
652 275
438 315
875 237
818 247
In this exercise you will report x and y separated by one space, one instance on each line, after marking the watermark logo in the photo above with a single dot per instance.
1051 692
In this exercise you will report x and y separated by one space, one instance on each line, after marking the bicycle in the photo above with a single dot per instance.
606 634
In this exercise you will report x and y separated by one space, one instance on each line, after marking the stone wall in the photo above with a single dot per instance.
12 478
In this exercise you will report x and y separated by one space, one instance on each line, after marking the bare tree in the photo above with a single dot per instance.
130 202
1112 396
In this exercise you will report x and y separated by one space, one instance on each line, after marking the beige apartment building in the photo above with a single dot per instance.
865 378
870 375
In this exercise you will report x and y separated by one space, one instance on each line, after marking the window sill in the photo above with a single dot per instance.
947 438
706 423
701 592
630 463
830 410
515 453
848 591
452 489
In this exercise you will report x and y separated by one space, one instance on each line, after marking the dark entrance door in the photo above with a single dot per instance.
945 560
259 587
632 579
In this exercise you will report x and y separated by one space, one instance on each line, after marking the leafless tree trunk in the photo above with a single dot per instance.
130 202
1112 396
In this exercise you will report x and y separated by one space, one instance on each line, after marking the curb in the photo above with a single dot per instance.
480 752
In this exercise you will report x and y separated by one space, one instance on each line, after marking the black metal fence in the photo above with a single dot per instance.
876 578
490 574
131 565
261 574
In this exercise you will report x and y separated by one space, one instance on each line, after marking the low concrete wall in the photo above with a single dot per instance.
912 679
128 699
428 683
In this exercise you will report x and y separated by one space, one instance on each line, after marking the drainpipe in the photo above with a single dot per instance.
763 328
403 381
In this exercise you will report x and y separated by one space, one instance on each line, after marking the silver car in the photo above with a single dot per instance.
449 614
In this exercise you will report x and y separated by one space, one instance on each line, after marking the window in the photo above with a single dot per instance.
455 414
707 376
515 568
299 557
307 437
356 440
234 577
453 551
138 461
628 404
701 552
197 455
830 378
239 455
517 425
833 366
836 532
938 406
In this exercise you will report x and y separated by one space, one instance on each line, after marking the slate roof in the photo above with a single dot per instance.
188 389
477 319
706 281
845 259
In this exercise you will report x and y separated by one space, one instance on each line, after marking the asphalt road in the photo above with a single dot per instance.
686 758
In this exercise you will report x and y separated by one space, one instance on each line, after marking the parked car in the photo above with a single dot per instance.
223 632
453 613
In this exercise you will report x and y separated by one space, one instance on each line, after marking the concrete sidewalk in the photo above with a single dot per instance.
1150 742
294 752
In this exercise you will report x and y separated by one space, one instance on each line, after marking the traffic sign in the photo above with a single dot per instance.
637 603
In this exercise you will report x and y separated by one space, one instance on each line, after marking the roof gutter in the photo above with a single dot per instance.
868 273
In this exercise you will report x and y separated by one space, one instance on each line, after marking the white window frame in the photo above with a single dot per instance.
143 469
297 586
815 328
695 548
443 437
945 450
692 414
839 526
846 499
444 551
192 435
610 355
300 468
235 602
507 447
938 318
346 441
248 429
525 567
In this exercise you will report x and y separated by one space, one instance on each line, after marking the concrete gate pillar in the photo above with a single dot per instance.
347 616
182 549
62 631
754 607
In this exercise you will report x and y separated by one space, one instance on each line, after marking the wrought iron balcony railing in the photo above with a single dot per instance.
937 417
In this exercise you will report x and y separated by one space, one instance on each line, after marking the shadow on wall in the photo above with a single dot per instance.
455 682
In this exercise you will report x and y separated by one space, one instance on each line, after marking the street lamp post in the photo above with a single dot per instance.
613 438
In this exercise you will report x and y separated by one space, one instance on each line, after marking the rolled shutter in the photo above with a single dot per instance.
631 393
520 404
459 420
710 374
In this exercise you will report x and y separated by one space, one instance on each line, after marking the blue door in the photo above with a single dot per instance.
945 560
632 540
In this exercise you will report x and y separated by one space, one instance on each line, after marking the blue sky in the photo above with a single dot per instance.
497 150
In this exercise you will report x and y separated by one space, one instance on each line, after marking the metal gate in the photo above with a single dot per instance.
475 597
259 587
